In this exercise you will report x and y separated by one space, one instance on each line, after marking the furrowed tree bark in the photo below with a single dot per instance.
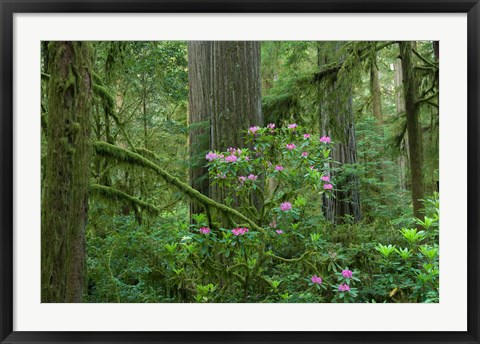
225 89
199 112
236 96
67 169
414 129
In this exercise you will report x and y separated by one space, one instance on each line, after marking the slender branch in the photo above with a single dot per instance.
424 59
286 259
426 99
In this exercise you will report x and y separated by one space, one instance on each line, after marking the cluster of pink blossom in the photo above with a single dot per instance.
286 206
328 186
271 126
306 136
291 146
347 273
279 231
242 179
252 177
222 176
325 178
325 139
234 151
316 279
292 126
239 231
279 168
231 158
253 130
304 154
212 156
204 230
344 287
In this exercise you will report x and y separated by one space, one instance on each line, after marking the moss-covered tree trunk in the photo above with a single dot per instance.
225 89
67 166
337 121
414 129
199 112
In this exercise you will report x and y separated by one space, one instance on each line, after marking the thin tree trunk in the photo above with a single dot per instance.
376 92
65 198
413 126
400 105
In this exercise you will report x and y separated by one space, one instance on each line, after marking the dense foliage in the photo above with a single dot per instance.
335 136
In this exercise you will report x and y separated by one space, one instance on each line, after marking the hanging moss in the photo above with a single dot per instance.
113 194
126 156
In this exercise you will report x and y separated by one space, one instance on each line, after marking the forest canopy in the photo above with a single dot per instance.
240 171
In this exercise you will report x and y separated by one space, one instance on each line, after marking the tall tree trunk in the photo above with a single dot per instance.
225 88
337 120
375 91
199 112
65 197
400 106
414 129
236 97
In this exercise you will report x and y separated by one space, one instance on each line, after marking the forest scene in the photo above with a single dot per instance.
240 172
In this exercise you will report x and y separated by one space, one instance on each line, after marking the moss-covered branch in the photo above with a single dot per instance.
124 155
428 98
336 67
286 260
115 194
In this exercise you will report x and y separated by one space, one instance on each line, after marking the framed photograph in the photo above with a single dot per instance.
239 171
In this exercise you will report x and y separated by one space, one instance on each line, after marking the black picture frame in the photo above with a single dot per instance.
10 7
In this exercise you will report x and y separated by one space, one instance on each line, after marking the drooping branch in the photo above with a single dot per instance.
431 64
126 156
427 99
336 67
115 194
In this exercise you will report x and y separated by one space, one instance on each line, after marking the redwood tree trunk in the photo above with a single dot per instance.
225 88
67 169
414 129
200 111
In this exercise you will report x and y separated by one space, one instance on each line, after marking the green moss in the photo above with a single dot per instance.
124 155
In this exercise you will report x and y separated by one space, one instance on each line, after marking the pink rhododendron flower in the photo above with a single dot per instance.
279 231
325 139
204 230
344 287
279 168
253 130
271 126
325 178
239 231
347 273
291 146
242 179
286 206
292 126
328 186
304 154
252 177
306 136
211 156
316 279
222 176
231 158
